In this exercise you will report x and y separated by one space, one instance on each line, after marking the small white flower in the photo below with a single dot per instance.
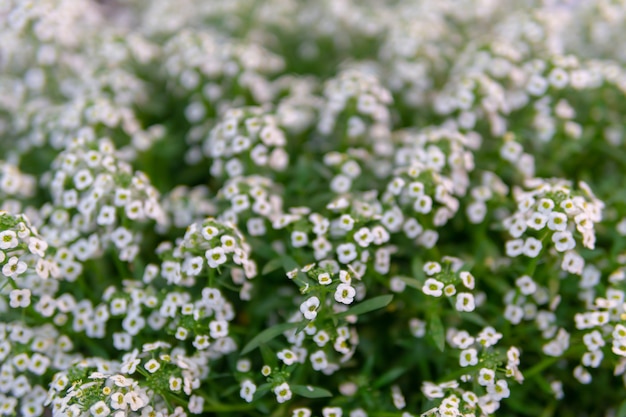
209 232
324 278
345 293
468 279
248 388
299 239
423 204
537 220
215 257
563 241
557 221
486 377
20 298
433 287
282 392
514 247
526 285
14 267
117 401
8 239
346 253
309 308
218 328
100 409
432 268
152 366
287 356
83 179
532 247
468 357
465 302
332 412
363 237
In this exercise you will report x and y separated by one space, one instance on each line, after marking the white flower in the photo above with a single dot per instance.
573 263
433 287
340 184
499 390
14 267
8 240
415 189
514 247
121 237
346 253
134 210
100 409
532 247
248 388
557 221
468 357
363 237
215 257
324 278
299 239
514 313
319 361
228 243
287 356
209 232
537 220
432 268
423 204
465 302
20 298
346 222
332 412
468 279
83 179
582 375
152 366
218 328
412 228
345 293
563 241
282 392
486 377
117 401
526 285
309 308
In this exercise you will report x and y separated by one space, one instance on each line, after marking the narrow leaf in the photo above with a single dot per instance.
436 331
621 412
412 282
308 391
288 263
267 335
367 306
389 376
272 266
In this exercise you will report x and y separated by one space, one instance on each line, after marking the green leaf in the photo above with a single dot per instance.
412 282
288 263
436 331
269 357
261 391
272 266
267 335
367 306
389 376
308 391
621 412
474 318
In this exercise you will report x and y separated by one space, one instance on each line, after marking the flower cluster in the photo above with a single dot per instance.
312 208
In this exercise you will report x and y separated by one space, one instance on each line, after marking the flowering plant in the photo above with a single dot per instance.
330 208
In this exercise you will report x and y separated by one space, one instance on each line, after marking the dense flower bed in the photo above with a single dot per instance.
312 208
